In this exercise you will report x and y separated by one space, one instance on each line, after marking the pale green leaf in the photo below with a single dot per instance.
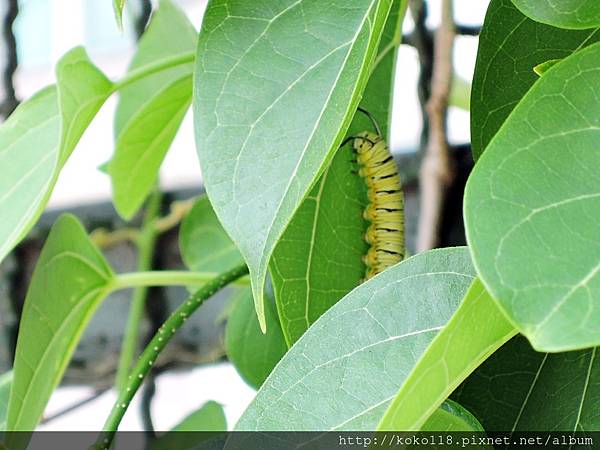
23 148
451 417
5 383
210 417
532 205
143 144
252 352
343 372
70 280
151 110
571 14
505 61
39 137
82 90
169 34
204 245
318 259
476 330
518 389
276 86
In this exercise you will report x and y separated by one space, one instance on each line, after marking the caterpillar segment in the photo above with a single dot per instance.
385 211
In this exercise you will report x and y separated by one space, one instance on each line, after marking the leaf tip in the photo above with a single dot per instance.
123 200
259 303
542 68
125 211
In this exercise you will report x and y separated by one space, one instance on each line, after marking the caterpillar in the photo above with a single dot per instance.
385 210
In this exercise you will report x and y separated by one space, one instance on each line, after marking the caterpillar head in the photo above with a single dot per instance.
365 141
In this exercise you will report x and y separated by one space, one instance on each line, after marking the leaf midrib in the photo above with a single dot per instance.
270 237
531 388
585 388
66 134
308 273
138 164
348 355
47 351
154 96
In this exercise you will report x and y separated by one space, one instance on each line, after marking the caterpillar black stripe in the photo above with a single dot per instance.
385 210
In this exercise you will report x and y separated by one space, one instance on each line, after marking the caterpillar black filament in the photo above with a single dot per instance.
385 210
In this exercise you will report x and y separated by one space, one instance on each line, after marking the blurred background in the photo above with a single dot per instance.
35 34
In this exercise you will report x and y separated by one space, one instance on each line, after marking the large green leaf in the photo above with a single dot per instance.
204 244
476 330
318 259
451 416
252 352
276 85
5 383
518 389
343 372
39 137
572 14
70 280
532 206
510 46
150 110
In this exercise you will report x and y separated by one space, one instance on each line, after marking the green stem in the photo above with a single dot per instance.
167 278
149 69
157 344
146 244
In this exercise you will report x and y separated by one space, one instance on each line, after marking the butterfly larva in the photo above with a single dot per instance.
385 210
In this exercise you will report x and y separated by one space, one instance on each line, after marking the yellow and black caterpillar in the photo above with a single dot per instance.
385 210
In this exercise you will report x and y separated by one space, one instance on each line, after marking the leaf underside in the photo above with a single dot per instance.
276 84
343 372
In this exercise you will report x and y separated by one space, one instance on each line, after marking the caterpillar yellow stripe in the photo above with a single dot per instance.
385 211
